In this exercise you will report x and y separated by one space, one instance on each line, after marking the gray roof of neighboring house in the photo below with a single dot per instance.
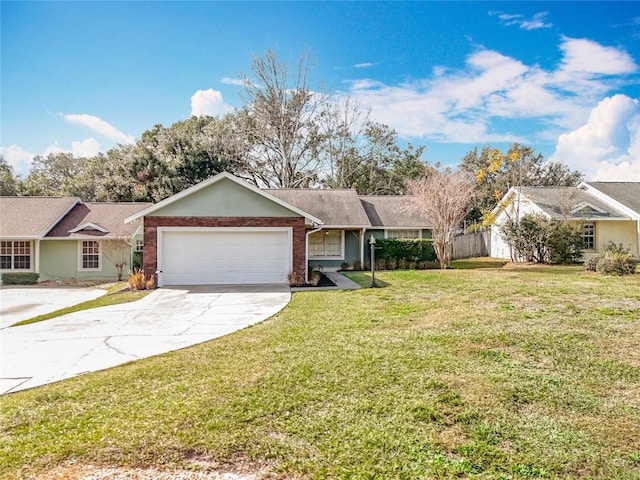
336 208
31 217
627 193
392 211
106 216
558 202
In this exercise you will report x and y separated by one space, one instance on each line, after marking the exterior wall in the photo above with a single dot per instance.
623 231
59 260
151 224
225 199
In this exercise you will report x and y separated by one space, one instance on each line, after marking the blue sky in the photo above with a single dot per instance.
563 77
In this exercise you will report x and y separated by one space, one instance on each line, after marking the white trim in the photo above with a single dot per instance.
211 181
89 226
80 254
593 190
160 241
341 257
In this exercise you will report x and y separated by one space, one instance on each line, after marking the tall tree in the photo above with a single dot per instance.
57 175
444 197
8 182
280 122
496 172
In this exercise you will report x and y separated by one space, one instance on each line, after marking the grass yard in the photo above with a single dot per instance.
492 373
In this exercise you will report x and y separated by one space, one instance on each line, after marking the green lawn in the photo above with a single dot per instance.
512 373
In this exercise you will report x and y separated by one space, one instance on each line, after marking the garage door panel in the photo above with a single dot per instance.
225 257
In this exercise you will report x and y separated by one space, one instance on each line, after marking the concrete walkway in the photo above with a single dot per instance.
167 319
22 302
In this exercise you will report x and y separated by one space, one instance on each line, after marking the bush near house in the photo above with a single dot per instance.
26 278
409 250
616 260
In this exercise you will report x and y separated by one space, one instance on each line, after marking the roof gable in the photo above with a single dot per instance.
32 217
104 220
624 195
224 195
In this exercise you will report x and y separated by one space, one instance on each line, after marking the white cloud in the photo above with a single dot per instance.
607 147
587 56
364 65
534 23
233 81
99 126
208 102
467 105
86 148
18 158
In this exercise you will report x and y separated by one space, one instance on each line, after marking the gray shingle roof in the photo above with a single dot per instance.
392 211
108 216
627 193
31 217
336 208
558 202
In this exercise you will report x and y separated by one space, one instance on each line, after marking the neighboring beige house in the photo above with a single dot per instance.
606 211
63 237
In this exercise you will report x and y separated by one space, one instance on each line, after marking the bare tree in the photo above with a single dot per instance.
444 198
281 123
118 252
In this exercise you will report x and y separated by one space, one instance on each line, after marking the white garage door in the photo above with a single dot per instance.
224 256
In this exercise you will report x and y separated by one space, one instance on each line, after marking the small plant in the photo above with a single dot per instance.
295 279
357 265
138 281
344 266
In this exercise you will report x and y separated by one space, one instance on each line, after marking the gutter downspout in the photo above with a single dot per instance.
306 252
364 231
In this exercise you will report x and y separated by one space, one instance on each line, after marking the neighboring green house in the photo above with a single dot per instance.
63 238
220 231
606 212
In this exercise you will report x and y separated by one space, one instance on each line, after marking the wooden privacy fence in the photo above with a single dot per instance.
472 245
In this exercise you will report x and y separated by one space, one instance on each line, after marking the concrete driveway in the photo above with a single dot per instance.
167 319
20 303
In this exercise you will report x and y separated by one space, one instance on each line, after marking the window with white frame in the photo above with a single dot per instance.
15 255
139 245
589 236
90 255
326 244
407 233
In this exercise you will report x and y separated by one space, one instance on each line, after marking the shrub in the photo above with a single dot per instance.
616 263
616 260
402 253
537 238
295 279
357 265
344 266
591 263
22 278
138 281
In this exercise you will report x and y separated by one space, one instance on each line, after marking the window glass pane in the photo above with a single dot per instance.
90 255
5 262
333 244
403 233
22 262
589 236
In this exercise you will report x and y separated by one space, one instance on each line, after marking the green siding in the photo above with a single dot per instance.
59 260
224 198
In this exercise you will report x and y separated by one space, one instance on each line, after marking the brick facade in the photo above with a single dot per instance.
151 224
